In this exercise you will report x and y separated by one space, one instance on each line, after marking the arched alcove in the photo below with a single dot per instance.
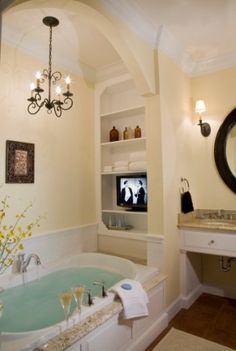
144 81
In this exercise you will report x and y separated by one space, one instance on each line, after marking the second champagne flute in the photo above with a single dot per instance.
65 298
78 293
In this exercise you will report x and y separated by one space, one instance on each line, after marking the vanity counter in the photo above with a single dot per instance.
208 231
217 220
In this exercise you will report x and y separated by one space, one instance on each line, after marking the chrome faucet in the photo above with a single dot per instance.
221 214
102 284
90 299
21 263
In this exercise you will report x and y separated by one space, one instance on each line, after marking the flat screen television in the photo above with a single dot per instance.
132 192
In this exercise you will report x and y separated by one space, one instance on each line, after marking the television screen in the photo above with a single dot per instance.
132 192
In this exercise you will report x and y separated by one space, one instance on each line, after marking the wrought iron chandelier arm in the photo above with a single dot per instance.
55 77
34 105
57 107
67 104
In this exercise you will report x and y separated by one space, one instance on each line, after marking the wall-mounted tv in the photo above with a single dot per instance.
132 192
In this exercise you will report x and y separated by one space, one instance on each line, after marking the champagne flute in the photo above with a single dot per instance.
78 293
65 298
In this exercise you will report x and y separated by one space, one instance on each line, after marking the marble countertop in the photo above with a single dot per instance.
70 336
223 220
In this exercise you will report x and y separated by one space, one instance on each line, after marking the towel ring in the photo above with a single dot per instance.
184 185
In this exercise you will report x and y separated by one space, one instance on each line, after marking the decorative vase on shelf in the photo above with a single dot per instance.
137 132
130 133
114 134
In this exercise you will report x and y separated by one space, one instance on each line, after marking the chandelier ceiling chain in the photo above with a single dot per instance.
56 105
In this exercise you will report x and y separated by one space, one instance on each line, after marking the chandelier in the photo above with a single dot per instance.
63 101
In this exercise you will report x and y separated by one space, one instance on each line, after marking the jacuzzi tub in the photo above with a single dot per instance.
27 340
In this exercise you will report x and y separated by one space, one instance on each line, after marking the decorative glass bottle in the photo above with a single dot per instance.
137 132
125 134
114 134
130 133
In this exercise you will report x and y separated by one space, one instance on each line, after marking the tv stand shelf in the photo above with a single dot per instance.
125 212
141 171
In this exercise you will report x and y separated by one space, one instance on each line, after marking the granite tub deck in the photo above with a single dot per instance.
209 219
74 334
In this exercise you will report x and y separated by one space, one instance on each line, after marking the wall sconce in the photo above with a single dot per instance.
200 107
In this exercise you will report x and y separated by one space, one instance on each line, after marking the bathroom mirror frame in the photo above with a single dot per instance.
220 150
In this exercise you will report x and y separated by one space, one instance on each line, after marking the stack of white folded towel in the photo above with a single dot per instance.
133 297
137 161
120 166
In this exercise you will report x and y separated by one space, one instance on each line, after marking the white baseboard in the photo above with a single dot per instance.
188 300
229 292
183 302
174 308
149 335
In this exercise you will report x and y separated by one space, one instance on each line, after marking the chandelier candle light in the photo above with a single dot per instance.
56 105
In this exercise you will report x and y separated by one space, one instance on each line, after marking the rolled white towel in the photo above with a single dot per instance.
138 166
120 164
137 156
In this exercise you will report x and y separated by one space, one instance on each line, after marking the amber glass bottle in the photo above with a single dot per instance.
114 134
137 132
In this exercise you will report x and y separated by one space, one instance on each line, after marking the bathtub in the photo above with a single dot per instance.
28 340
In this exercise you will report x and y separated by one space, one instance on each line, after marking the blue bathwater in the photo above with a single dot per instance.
35 305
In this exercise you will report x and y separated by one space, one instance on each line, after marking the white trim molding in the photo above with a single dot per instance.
155 250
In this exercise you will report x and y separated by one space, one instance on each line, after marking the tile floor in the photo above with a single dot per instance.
210 317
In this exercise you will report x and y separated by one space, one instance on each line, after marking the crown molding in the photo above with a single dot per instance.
158 37
214 64
110 71
167 43
130 14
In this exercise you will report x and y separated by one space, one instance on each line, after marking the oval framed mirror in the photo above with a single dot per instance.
225 150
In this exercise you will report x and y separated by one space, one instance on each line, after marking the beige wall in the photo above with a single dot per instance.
64 147
218 91
176 154
184 152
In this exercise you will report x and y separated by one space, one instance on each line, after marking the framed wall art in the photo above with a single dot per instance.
19 162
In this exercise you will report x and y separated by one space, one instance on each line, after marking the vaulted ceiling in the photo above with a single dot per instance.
198 34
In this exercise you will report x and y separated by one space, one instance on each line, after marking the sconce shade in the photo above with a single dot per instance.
205 127
200 106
